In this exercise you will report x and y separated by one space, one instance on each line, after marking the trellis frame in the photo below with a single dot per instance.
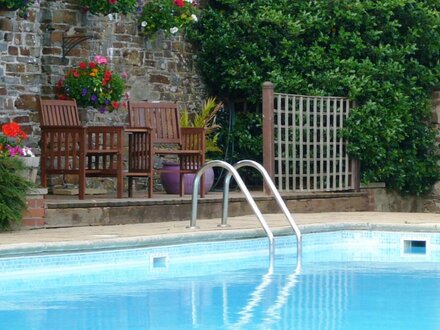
302 148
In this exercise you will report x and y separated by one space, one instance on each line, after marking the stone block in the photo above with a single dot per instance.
6 24
15 68
26 101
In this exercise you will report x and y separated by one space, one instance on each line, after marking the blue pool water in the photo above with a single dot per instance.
347 280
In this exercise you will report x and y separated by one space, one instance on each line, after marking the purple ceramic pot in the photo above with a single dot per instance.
170 181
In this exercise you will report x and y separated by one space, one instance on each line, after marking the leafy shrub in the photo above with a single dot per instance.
105 7
21 5
382 54
241 138
13 190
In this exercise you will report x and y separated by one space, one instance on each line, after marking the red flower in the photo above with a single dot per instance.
11 129
107 75
75 73
112 2
23 135
179 3
83 65
92 65
115 104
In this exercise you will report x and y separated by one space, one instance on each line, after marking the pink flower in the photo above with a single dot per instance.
112 2
100 59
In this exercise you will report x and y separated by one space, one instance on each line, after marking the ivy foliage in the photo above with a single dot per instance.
385 55
13 191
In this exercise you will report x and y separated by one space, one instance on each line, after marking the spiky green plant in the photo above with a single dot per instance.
206 118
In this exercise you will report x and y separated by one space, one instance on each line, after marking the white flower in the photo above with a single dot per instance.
27 152
174 30
144 24
194 18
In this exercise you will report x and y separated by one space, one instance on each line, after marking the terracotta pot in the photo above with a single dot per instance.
170 181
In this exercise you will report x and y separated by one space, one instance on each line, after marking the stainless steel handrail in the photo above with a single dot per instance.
233 173
274 190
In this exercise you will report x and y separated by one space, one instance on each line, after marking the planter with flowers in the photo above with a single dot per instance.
105 7
93 85
12 145
170 16
206 118
21 5
14 180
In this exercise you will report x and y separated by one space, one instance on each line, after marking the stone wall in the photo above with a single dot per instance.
32 60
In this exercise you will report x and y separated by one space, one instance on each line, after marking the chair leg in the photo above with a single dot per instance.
150 186
82 185
202 186
182 185
43 175
130 186
119 185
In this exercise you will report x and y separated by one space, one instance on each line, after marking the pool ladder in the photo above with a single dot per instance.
232 172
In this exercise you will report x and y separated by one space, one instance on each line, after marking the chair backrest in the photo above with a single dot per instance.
59 113
162 117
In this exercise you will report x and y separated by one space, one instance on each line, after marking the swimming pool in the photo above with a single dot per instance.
348 280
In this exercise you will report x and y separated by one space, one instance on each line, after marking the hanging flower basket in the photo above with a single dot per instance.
93 84
170 16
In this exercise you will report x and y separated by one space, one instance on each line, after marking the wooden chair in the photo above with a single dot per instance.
162 121
68 147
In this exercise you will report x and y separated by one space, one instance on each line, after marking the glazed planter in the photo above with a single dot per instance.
170 181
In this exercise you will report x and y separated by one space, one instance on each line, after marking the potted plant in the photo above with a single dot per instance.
171 16
203 119
106 7
12 145
93 84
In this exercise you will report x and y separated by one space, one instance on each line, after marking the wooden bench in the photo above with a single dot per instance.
155 129
68 147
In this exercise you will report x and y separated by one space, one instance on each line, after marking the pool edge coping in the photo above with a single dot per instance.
35 248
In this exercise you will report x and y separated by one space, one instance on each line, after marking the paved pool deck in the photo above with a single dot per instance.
52 240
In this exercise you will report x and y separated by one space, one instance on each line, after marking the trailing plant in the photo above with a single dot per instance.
171 16
13 188
105 7
385 55
93 84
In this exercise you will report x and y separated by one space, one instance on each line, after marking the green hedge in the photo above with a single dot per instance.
383 54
